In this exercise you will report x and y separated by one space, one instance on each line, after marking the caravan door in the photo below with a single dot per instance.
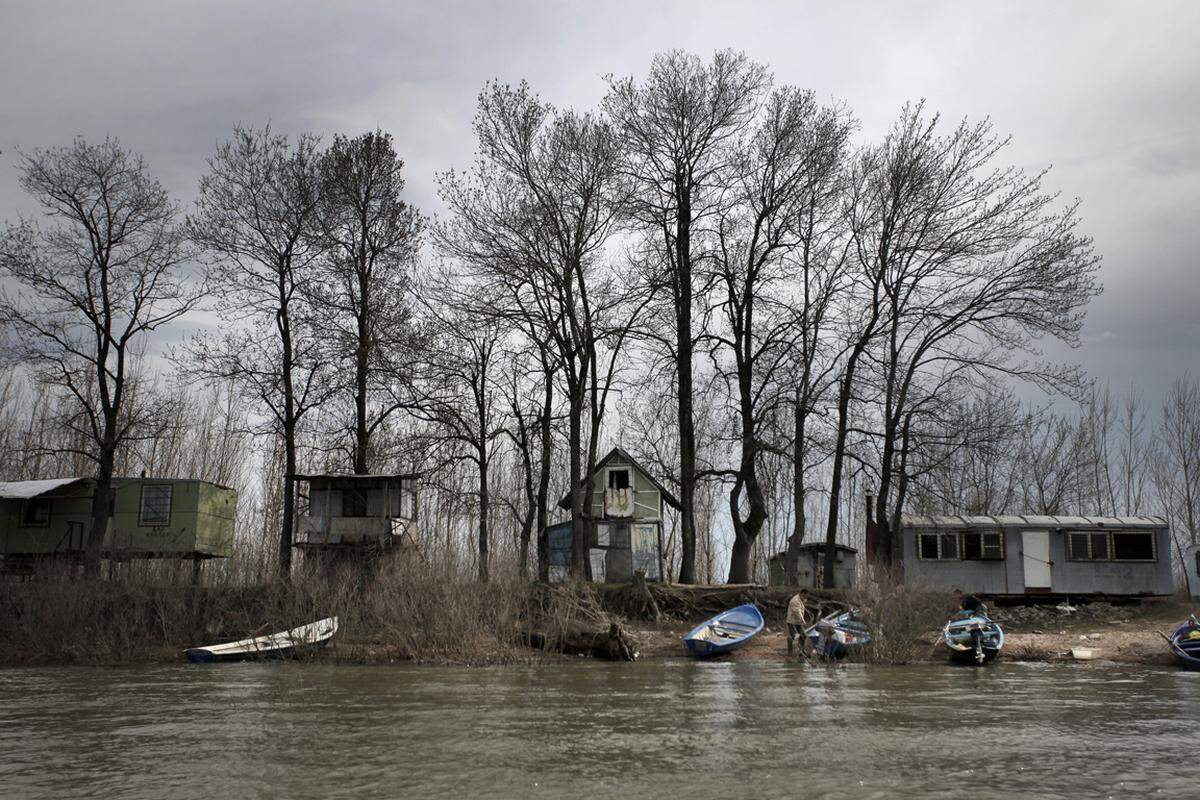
1035 553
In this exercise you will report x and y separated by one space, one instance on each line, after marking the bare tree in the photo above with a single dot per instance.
371 238
458 388
972 265
90 288
1177 468
257 218
529 392
791 152
678 128
533 220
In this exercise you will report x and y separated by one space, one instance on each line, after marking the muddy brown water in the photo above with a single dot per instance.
670 728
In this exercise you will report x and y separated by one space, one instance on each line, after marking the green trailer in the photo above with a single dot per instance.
151 518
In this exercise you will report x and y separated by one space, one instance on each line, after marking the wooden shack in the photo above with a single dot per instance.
810 569
151 518
356 512
624 523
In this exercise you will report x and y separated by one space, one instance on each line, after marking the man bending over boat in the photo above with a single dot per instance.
972 603
797 620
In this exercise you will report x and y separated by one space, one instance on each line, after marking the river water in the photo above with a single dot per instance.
593 730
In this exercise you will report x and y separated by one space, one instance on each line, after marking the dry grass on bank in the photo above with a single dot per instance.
905 620
394 611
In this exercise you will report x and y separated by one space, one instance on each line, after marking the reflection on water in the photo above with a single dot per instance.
668 728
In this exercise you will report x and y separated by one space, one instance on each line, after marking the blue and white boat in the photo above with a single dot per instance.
725 632
286 644
834 636
1185 643
972 637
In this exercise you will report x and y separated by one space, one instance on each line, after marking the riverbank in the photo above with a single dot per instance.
419 618
1130 634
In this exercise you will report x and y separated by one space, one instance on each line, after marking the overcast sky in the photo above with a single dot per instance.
1109 94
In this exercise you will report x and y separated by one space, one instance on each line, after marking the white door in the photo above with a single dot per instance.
1035 552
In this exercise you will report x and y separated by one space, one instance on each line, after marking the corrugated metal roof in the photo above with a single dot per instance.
1029 521
342 476
23 490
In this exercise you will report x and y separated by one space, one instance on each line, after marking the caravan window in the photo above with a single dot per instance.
1077 547
949 545
1115 546
1133 546
928 545
938 546
618 479
156 505
983 546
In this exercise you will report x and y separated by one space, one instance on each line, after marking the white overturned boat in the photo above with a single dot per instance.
287 644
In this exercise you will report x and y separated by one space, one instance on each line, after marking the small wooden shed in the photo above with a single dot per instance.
624 523
345 512
811 568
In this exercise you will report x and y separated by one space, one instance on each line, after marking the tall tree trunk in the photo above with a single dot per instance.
101 508
362 437
745 531
578 523
543 491
290 423
683 366
791 559
839 457
484 502
289 502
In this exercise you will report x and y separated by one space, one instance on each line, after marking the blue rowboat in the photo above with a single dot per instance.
1185 643
836 635
726 631
286 644
972 638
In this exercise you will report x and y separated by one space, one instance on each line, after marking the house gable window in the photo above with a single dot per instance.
156 505
35 512
618 478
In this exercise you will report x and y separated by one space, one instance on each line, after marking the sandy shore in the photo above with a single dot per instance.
1121 634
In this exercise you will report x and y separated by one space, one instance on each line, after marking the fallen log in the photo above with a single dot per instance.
613 644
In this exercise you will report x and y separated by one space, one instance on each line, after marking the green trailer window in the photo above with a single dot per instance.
156 505
35 512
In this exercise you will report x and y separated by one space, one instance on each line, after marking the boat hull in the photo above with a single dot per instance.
1185 645
296 643
724 633
972 639
837 635
200 655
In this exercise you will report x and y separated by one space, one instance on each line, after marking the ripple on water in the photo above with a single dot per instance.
719 729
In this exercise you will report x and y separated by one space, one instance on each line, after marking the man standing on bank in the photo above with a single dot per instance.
797 620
